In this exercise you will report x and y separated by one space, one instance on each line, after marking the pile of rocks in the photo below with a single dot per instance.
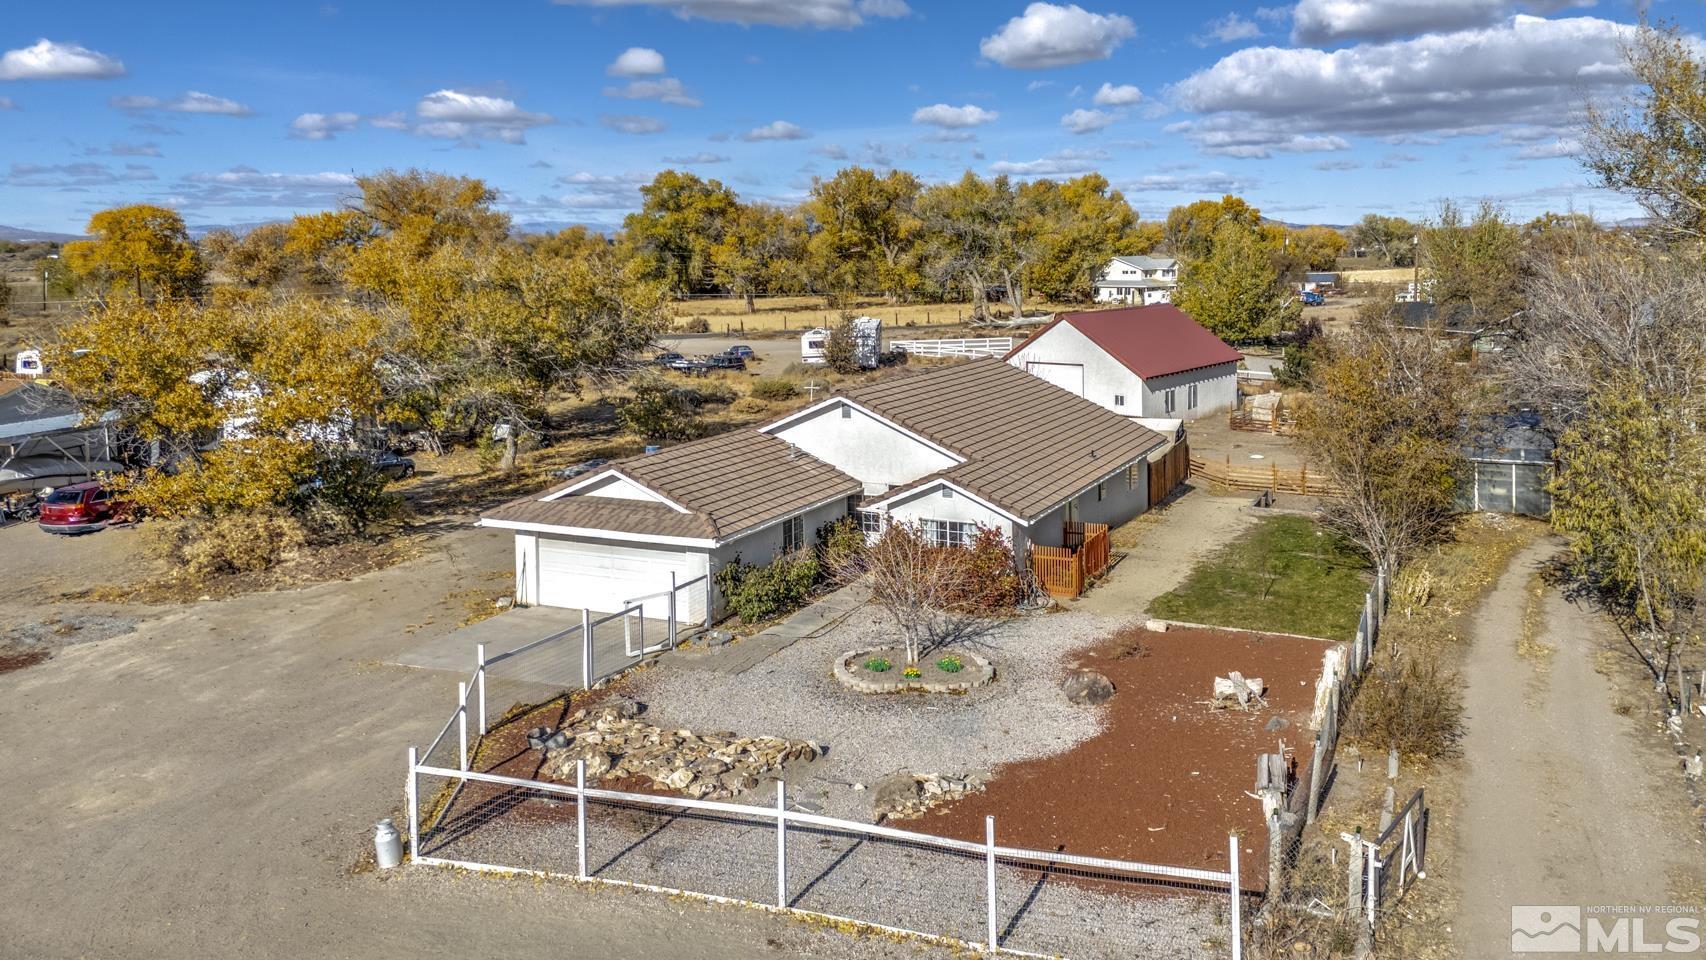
902 796
711 766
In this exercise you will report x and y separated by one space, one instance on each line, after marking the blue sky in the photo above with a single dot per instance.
1316 112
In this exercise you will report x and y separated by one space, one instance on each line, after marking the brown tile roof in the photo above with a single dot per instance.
729 483
1028 444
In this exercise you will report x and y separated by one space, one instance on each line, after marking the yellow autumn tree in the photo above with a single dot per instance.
140 250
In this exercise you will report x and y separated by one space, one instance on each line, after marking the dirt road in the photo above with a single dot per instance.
200 787
1565 803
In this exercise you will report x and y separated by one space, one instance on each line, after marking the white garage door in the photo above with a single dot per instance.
603 576
1067 376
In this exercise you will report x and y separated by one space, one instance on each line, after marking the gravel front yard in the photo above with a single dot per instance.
1021 716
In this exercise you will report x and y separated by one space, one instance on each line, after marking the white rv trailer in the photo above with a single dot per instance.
867 339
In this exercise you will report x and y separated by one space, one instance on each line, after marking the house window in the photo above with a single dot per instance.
1102 491
793 534
1191 397
1119 399
947 533
1169 401
870 524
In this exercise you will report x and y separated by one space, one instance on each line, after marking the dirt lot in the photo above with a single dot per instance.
1165 780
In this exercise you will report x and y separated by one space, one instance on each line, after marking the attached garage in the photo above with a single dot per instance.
603 575
1066 376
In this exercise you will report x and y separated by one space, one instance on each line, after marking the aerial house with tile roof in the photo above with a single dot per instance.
1135 361
949 449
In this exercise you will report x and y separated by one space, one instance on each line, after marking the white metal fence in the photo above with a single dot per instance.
971 347
984 895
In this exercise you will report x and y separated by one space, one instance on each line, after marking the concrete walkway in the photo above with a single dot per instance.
554 664
1565 803
742 655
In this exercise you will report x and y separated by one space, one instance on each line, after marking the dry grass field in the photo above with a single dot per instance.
1380 275
778 314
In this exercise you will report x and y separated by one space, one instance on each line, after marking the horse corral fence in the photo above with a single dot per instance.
1272 477
787 858
964 347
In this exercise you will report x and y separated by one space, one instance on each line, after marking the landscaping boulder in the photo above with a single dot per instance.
1087 687
901 796
893 792
701 765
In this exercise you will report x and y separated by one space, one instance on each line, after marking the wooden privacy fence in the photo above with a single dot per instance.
1271 477
1063 570
1172 469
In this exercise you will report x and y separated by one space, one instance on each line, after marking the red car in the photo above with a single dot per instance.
78 508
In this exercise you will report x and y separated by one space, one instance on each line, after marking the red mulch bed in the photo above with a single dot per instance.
1165 781
19 659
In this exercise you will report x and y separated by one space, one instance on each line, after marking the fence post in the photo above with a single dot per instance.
480 678
462 720
1315 775
1372 618
586 649
989 881
781 846
1373 883
580 817
672 589
1237 901
412 790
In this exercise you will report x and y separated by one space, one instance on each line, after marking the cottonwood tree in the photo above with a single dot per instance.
681 219
865 232
1076 227
752 255
1475 261
1235 290
975 238
141 250
1389 238
1651 146
1387 422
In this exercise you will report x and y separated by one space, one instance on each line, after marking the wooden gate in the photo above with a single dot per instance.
1063 571
1167 473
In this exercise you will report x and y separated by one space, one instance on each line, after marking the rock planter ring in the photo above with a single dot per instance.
851 671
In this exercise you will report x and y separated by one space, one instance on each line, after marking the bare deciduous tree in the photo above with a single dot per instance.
922 587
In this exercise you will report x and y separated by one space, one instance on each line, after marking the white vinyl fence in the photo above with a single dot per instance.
974 347
980 894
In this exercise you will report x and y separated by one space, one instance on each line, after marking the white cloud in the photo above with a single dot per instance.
602 191
1052 35
953 118
820 14
322 126
48 60
1124 95
636 62
697 158
1211 182
664 89
1323 22
119 148
1088 121
6 103
1527 71
1228 29
244 186
1036 85
831 151
1059 163
633 123
1338 165
459 115
1561 147
250 177
192 101
775 130
75 175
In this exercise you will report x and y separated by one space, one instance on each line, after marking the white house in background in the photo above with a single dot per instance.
951 449
1137 280
1135 361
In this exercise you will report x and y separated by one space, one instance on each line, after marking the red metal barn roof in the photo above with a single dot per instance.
1151 341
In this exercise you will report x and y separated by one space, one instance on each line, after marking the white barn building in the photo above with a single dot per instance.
1135 361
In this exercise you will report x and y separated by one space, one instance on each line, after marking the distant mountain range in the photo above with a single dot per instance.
21 235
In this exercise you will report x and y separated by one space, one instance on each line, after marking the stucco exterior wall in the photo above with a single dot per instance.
864 447
764 544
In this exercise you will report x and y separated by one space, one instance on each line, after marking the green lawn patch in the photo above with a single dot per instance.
1288 575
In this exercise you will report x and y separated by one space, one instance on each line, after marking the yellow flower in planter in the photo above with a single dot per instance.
911 673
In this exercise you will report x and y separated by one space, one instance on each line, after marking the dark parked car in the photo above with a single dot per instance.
740 350
586 466
668 359
393 466
689 367
723 361
79 508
